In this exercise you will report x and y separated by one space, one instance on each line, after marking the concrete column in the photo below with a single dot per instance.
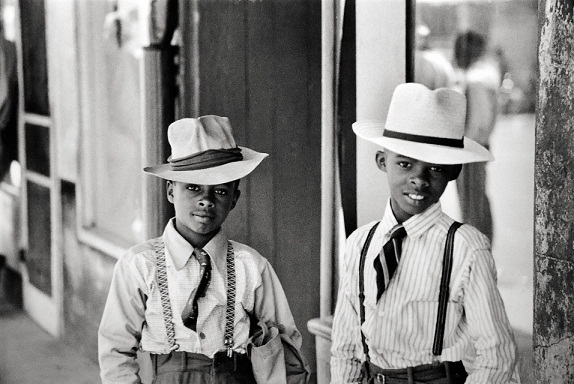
554 200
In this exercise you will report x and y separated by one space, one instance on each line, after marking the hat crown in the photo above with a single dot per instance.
192 136
417 110
425 125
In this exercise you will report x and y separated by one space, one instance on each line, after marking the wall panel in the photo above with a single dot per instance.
260 65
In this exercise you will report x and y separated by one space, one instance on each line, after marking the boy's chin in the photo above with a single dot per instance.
408 209
206 230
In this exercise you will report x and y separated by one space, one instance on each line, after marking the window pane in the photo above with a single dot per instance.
38 257
34 57
116 135
38 149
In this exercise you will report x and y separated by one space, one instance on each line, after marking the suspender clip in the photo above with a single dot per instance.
381 379
229 344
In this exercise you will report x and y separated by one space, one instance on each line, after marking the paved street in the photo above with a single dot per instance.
29 355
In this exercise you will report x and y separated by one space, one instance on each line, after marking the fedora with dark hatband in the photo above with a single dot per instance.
425 125
203 151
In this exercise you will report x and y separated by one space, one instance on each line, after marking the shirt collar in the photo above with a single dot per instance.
179 250
416 225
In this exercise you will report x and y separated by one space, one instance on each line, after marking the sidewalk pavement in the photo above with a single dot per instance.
29 355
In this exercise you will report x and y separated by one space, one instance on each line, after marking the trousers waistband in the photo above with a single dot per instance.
445 372
181 361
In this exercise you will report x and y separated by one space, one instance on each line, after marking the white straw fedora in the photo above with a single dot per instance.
425 125
203 151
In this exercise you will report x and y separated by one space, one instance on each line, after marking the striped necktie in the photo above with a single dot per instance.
190 311
392 255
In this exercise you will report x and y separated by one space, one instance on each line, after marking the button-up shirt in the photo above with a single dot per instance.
133 316
400 327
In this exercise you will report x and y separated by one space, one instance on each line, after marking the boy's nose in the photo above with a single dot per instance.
420 179
206 203
206 200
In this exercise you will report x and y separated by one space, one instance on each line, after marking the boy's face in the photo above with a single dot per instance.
200 210
415 185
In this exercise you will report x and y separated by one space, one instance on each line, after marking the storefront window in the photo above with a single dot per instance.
112 169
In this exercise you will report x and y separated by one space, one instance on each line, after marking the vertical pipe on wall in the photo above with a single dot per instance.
189 59
328 15
159 93
159 20
410 40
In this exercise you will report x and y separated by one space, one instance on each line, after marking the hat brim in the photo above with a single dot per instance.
472 152
215 175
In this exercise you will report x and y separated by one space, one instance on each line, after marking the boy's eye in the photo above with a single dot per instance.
192 187
404 164
437 169
221 191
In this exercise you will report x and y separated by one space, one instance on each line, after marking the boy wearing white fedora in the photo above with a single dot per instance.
416 294
187 296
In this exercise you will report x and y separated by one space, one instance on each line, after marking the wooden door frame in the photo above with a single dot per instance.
46 310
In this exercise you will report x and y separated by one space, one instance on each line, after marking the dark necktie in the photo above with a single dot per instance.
392 253
190 311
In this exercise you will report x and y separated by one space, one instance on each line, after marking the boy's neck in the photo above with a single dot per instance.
403 219
399 221
197 240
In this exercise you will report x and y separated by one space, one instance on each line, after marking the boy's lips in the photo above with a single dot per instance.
416 196
203 215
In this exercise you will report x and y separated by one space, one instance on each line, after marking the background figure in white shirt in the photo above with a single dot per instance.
432 68
478 77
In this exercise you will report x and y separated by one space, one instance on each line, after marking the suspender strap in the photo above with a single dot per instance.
362 286
444 289
230 310
443 294
164 292
166 306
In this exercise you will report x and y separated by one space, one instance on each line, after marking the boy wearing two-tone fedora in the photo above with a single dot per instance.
417 290
187 296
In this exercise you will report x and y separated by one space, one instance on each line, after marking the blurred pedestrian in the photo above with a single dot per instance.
478 77
432 68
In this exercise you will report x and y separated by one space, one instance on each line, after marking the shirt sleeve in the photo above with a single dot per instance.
488 325
346 349
271 305
121 325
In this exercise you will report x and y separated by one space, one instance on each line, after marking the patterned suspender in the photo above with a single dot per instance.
443 294
163 291
230 310
166 306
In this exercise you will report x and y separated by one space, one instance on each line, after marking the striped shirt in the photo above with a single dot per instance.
399 328
133 311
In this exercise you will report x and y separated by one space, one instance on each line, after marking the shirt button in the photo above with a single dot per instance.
201 335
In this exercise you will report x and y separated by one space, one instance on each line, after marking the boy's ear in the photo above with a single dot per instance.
236 195
455 171
169 190
381 160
